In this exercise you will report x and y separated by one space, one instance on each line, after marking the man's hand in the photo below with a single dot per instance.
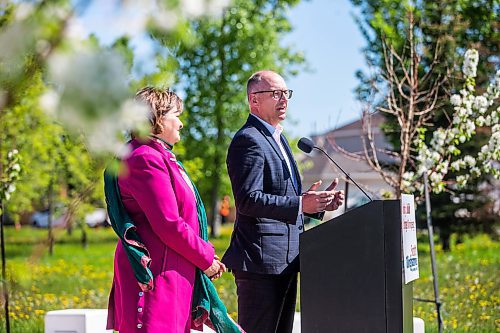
316 201
338 198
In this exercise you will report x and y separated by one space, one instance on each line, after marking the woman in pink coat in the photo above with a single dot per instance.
159 198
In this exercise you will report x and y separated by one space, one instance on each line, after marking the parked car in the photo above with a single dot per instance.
97 218
40 219
7 220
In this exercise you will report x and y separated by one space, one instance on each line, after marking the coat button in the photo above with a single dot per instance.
141 294
300 227
139 325
139 309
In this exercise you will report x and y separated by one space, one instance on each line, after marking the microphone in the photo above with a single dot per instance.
307 145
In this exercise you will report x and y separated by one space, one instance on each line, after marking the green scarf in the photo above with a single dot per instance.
206 301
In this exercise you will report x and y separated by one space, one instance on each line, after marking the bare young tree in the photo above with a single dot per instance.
411 95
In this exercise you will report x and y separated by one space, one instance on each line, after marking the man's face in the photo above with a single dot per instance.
268 108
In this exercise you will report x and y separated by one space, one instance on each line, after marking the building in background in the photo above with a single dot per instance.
348 138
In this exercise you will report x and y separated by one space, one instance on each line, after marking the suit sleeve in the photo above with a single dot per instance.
317 216
151 186
245 164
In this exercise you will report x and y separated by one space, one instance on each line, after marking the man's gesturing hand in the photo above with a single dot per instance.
338 198
316 201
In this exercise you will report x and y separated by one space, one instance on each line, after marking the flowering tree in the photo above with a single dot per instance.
9 176
60 92
89 87
472 25
411 93
472 113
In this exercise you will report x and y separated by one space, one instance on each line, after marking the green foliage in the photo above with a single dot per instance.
444 29
212 70
468 285
48 153
80 278
55 163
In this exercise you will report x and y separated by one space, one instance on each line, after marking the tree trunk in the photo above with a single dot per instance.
84 239
51 214
219 142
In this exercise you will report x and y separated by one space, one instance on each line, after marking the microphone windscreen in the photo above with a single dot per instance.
306 145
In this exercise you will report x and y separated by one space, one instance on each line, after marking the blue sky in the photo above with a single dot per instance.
324 98
323 29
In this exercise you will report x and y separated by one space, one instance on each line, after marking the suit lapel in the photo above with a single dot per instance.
293 164
265 132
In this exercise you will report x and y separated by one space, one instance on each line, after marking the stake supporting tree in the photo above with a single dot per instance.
4 275
437 301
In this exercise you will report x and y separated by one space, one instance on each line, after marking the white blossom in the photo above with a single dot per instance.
452 149
409 176
23 10
480 121
470 111
462 180
49 102
439 136
11 189
443 167
475 171
488 120
462 213
471 59
480 103
469 160
462 112
456 165
470 126
456 100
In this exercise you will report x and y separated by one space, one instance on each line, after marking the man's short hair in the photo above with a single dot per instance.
253 81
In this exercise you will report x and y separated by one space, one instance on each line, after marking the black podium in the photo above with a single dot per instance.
351 276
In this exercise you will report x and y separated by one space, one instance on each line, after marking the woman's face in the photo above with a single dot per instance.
171 126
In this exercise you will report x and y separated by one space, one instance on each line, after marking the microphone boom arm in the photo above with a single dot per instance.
345 173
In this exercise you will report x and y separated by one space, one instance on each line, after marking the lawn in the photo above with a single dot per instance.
77 277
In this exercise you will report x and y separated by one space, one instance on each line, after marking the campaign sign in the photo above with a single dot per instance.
409 238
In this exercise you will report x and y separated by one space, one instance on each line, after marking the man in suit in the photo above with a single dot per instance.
263 254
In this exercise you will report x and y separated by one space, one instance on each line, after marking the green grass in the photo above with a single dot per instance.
469 286
75 277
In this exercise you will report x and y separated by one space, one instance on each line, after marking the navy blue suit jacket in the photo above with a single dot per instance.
265 238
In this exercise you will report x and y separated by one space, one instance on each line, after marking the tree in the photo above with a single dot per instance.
444 30
65 100
213 70
83 89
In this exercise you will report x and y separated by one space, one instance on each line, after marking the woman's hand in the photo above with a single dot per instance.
216 269
219 273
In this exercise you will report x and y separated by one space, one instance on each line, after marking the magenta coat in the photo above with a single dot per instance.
162 205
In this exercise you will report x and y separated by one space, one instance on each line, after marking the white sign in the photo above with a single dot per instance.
409 238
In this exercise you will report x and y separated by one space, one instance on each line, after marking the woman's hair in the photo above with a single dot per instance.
160 103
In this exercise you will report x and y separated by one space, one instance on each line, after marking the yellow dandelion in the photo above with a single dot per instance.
484 316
